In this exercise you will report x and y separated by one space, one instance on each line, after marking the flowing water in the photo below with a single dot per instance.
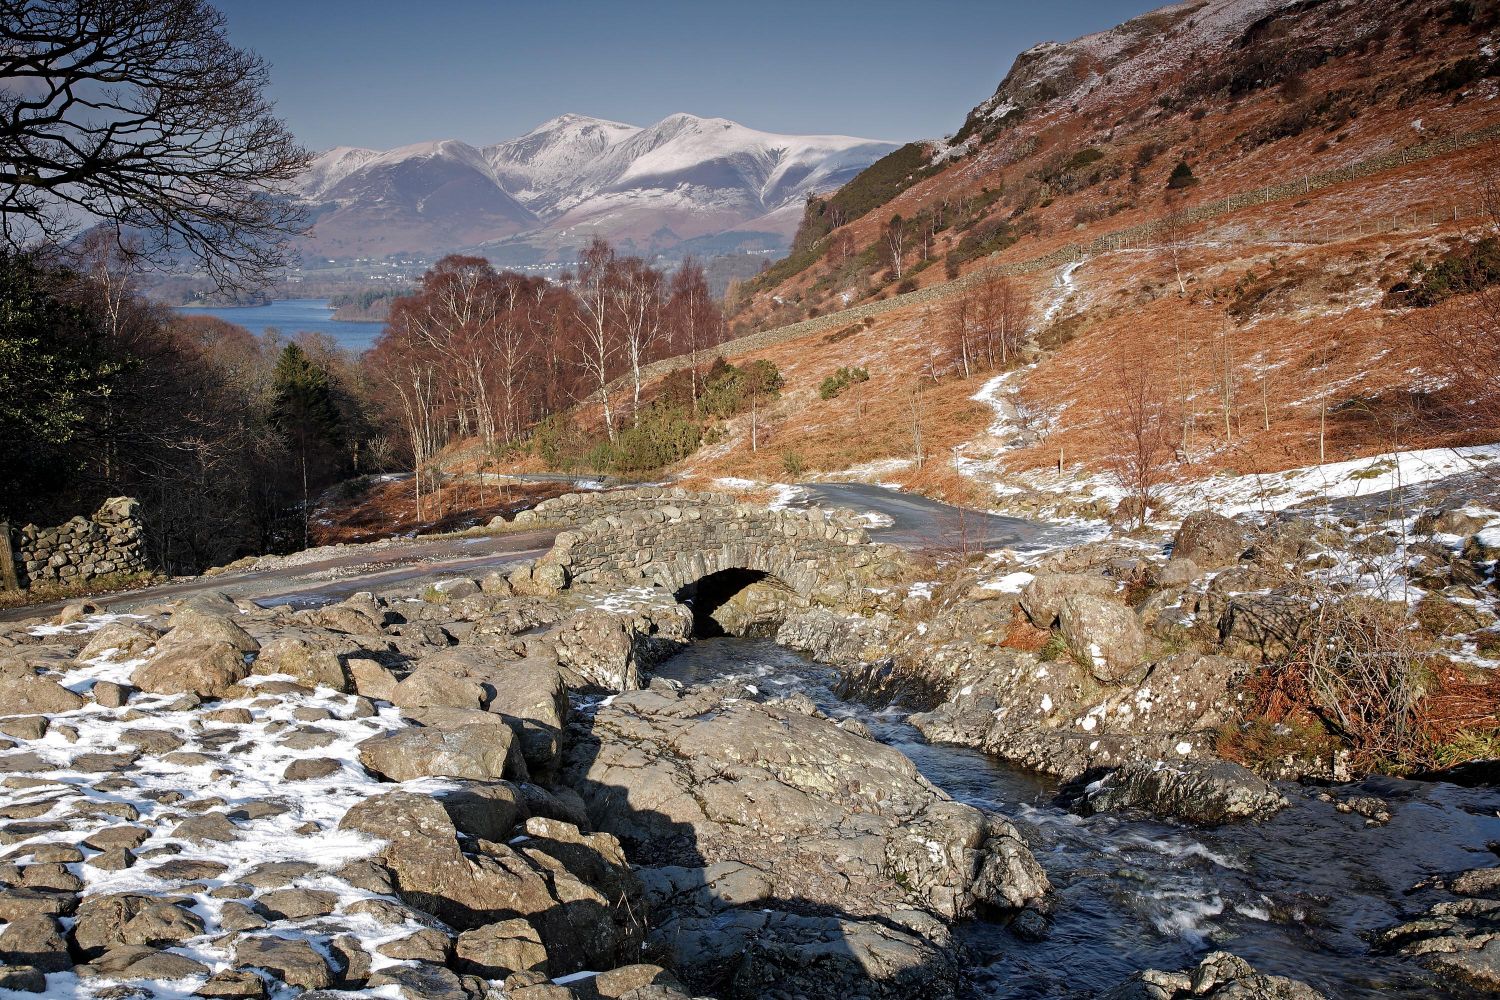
1294 896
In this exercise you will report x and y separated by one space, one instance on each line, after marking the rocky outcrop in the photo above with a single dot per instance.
112 542
830 817
1458 938
1205 792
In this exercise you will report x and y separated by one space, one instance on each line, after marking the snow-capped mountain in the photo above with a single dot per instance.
554 188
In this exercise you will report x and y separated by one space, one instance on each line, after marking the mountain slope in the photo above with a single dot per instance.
1335 152
550 190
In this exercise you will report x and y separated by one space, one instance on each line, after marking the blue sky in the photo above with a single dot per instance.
383 73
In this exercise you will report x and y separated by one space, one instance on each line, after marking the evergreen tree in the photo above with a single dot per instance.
51 378
306 412
1182 176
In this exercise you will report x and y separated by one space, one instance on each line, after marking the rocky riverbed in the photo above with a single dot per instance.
516 787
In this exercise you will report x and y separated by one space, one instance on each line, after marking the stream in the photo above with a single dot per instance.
1293 896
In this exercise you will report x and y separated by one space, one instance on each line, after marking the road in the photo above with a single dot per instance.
918 522
320 577
345 571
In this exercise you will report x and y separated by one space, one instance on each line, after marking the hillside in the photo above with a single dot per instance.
1330 147
540 196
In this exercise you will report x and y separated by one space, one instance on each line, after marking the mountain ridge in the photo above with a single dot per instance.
548 191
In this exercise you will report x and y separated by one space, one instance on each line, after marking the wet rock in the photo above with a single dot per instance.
1220 975
1210 540
1459 939
209 670
1206 792
1104 634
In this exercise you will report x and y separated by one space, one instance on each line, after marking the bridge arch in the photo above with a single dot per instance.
711 553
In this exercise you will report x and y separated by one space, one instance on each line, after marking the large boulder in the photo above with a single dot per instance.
483 752
192 627
122 639
1206 792
312 658
1105 634
840 820
23 692
209 669
1043 598
1210 540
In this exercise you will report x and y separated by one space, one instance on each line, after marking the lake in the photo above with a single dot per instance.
294 316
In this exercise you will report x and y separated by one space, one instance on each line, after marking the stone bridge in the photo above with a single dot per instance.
741 567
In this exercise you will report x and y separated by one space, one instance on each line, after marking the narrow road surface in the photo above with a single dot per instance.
918 522
344 571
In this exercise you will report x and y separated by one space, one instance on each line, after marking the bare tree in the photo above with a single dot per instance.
895 244
597 338
1143 428
140 114
958 322
1459 342
636 293
1002 315
694 319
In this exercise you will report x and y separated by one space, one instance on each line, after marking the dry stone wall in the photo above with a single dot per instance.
82 549
825 556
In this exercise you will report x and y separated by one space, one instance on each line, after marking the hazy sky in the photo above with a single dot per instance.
383 73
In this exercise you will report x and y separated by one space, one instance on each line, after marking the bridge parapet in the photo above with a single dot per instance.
825 556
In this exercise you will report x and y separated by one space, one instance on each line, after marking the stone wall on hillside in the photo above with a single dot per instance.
580 508
82 549
825 556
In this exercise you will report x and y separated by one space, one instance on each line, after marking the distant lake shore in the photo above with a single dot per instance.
291 316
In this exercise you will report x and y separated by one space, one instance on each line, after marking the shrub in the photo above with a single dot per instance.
1182 176
906 285
792 462
840 380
